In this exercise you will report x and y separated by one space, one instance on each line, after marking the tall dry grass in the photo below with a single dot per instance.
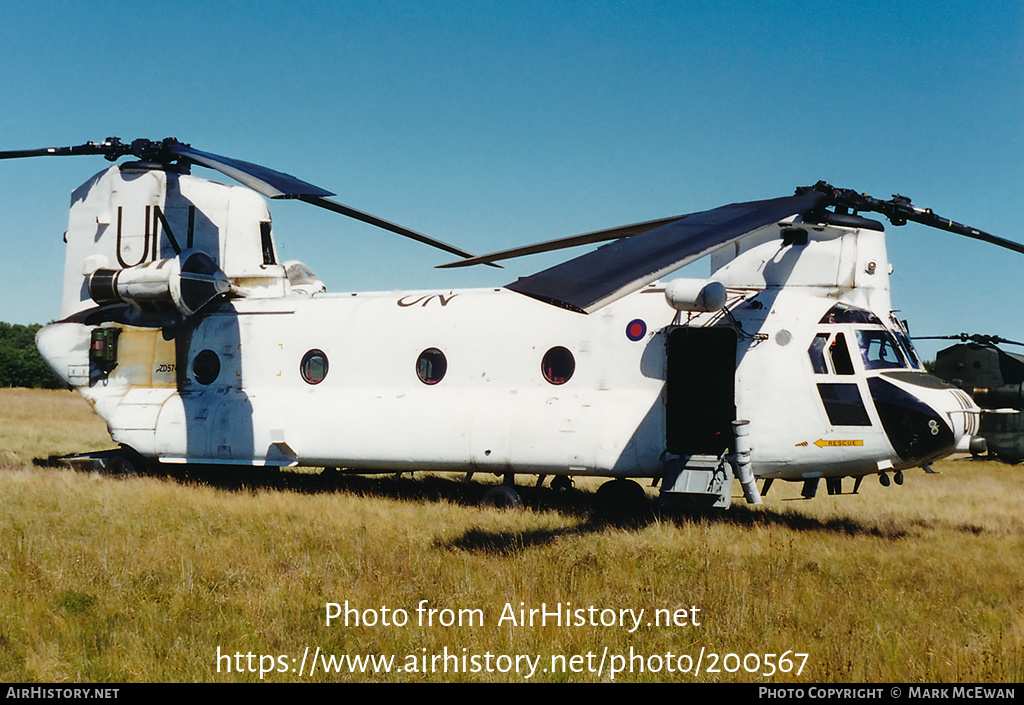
36 422
142 579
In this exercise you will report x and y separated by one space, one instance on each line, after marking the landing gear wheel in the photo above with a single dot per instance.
121 466
621 497
502 497
562 483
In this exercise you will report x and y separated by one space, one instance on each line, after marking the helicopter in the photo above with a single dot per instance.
995 380
198 344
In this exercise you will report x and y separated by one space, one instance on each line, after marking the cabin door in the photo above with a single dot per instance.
701 390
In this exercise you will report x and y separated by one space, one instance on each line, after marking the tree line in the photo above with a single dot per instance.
21 365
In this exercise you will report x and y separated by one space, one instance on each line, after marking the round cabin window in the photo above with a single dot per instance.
558 365
431 366
206 367
313 367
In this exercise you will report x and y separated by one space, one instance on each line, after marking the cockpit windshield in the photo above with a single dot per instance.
880 351
908 348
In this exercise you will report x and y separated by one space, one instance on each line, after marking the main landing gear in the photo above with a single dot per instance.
621 497
503 496
613 498
506 496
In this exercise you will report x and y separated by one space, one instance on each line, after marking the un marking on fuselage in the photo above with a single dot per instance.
423 300
152 222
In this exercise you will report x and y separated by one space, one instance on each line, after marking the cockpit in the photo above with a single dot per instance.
922 416
880 348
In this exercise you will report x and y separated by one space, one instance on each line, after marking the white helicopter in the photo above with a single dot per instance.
197 344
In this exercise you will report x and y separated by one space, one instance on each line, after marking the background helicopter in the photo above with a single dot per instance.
198 345
995 380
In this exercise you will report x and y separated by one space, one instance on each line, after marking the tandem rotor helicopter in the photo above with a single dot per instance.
197 344
995 380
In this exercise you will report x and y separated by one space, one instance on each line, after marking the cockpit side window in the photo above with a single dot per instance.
840 354
842 400
267 243
843 405
817 353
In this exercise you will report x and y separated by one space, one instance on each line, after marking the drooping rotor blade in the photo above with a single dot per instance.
593 280
384 224
275 184
269 182
564 243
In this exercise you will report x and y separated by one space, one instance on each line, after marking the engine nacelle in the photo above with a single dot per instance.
186 283
700 295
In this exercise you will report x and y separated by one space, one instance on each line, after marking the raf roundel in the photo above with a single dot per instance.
636 330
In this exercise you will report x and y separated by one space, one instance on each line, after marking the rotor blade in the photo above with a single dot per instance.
971 338
967 231
103 148
563 243
270 183
593 280
899 210
996 340
384 224
275 184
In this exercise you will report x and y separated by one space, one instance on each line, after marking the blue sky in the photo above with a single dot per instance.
493 124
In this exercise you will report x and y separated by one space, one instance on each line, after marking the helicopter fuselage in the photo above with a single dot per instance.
490 380
228 357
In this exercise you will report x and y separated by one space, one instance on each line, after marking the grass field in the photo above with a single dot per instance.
149 578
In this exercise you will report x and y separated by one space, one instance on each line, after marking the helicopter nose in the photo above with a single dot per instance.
924 417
